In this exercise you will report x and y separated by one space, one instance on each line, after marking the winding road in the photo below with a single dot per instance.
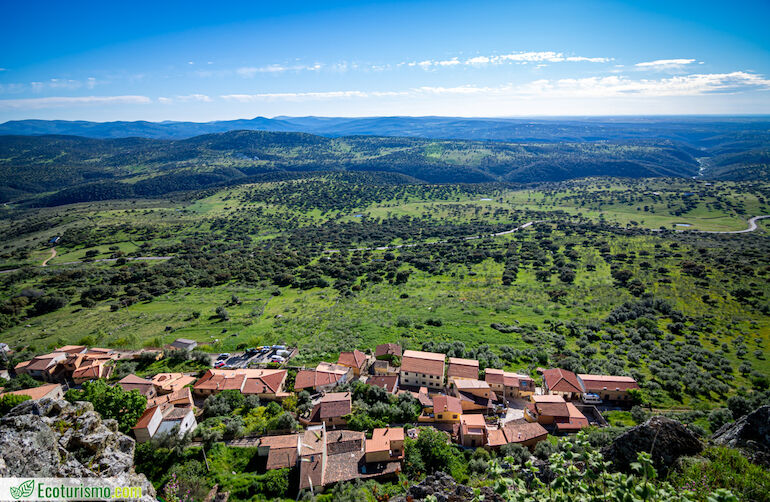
53 255
751 228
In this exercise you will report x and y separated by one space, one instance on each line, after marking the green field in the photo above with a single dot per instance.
259 251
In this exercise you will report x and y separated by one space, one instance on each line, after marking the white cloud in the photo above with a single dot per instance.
251 71
194 97
514 57
165 101
590 87
52 102
619 86
307 96
664 64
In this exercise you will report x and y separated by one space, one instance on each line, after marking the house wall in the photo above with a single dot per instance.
334 421
447 416
612 395
145 434
473 440
421 380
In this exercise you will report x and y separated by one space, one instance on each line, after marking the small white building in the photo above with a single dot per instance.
164 419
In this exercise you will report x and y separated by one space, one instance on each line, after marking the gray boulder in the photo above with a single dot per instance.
665 439
54 438
445 489
750 434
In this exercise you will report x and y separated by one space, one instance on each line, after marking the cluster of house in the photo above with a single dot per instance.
75 363
454 397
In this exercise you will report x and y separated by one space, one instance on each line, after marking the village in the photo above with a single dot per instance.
474 407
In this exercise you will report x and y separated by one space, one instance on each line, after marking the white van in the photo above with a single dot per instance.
589 398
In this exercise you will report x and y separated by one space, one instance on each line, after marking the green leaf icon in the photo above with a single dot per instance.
23 490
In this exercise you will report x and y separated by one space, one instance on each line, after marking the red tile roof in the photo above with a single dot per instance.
332 405
427 363
388 349
446 403
496 437
306 379
387 382
599 383
463 368
34 392
521 431
505 378
354 359
560 380
381 438
146 417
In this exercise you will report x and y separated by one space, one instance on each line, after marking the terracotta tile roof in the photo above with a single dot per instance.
44 361
521 431
278 442
552 409
560 380
469 384
427 363
463 368
332 405
387 382
547 398
34 392
354 359
312 441
176 413
21 365
505 378
280 458
181 397
91 371
496 437
70 349
248 381
267 384
599 383
169 382
311 471
473 420
306 379
446 403
388 349
381 438
133 382
146 417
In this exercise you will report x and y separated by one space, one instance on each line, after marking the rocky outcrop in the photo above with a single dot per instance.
445 489
665 439
52 438
750 434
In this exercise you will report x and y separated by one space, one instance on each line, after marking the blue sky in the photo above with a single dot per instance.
201 61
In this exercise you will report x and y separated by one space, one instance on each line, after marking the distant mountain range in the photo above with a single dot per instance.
58 162
694 131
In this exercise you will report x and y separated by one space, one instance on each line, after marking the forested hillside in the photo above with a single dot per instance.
66 169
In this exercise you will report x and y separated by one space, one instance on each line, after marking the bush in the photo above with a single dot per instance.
717 418
111 402
10 401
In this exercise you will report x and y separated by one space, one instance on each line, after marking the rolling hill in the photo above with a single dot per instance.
54 170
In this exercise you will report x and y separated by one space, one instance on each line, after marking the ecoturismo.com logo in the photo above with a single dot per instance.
67 489
23 490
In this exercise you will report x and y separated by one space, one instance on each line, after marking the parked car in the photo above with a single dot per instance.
224 355
589 398
219 364
277 359
251 352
